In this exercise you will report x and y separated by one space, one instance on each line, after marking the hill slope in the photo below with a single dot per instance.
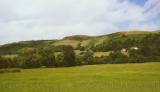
86 41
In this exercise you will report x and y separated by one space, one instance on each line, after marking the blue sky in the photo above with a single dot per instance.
54 19
139 2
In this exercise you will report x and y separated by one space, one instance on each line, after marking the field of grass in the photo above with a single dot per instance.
100 54
143 77
73 43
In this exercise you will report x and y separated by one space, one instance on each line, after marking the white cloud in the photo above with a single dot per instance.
49 19
152 8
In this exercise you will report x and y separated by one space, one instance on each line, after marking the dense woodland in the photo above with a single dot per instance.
43 55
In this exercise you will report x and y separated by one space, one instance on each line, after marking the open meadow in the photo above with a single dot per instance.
142 77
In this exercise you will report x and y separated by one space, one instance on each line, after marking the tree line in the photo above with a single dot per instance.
41 57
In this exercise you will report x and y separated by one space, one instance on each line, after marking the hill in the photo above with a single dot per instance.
78 37
120 47
86 41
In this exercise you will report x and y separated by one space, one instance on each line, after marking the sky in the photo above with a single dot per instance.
22 20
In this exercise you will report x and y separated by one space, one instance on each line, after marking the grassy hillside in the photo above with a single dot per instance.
86 41
73 43
120 47
13 48
89 78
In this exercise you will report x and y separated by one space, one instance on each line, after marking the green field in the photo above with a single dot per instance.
143 77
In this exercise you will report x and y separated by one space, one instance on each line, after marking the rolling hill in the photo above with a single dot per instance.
85 41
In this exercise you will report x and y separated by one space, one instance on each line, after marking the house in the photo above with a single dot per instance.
123 50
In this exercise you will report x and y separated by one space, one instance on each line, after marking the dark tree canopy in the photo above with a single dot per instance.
69 56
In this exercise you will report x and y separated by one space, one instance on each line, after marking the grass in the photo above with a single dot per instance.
100 54
73 43
144 77
10 56
10 70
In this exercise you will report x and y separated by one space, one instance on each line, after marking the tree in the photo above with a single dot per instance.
47 57
3 62
13 62
59 59
32 61
118 57
150 47
86 57
80 47
69 56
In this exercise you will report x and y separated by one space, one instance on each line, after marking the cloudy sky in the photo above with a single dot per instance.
50 19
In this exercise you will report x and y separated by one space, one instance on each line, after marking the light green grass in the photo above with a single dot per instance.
92 78
73 43
100 54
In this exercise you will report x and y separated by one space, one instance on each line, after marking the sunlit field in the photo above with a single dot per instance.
143 77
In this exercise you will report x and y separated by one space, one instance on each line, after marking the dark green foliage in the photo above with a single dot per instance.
59 60
78 37
86 58
11 62
79 47
47 57
116 44
118 41
69 56
33 54
31 61
100 60
13 48
3 62
14 62
136 58
150 47
117 57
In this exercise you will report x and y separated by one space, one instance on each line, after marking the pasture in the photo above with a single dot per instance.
143 77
